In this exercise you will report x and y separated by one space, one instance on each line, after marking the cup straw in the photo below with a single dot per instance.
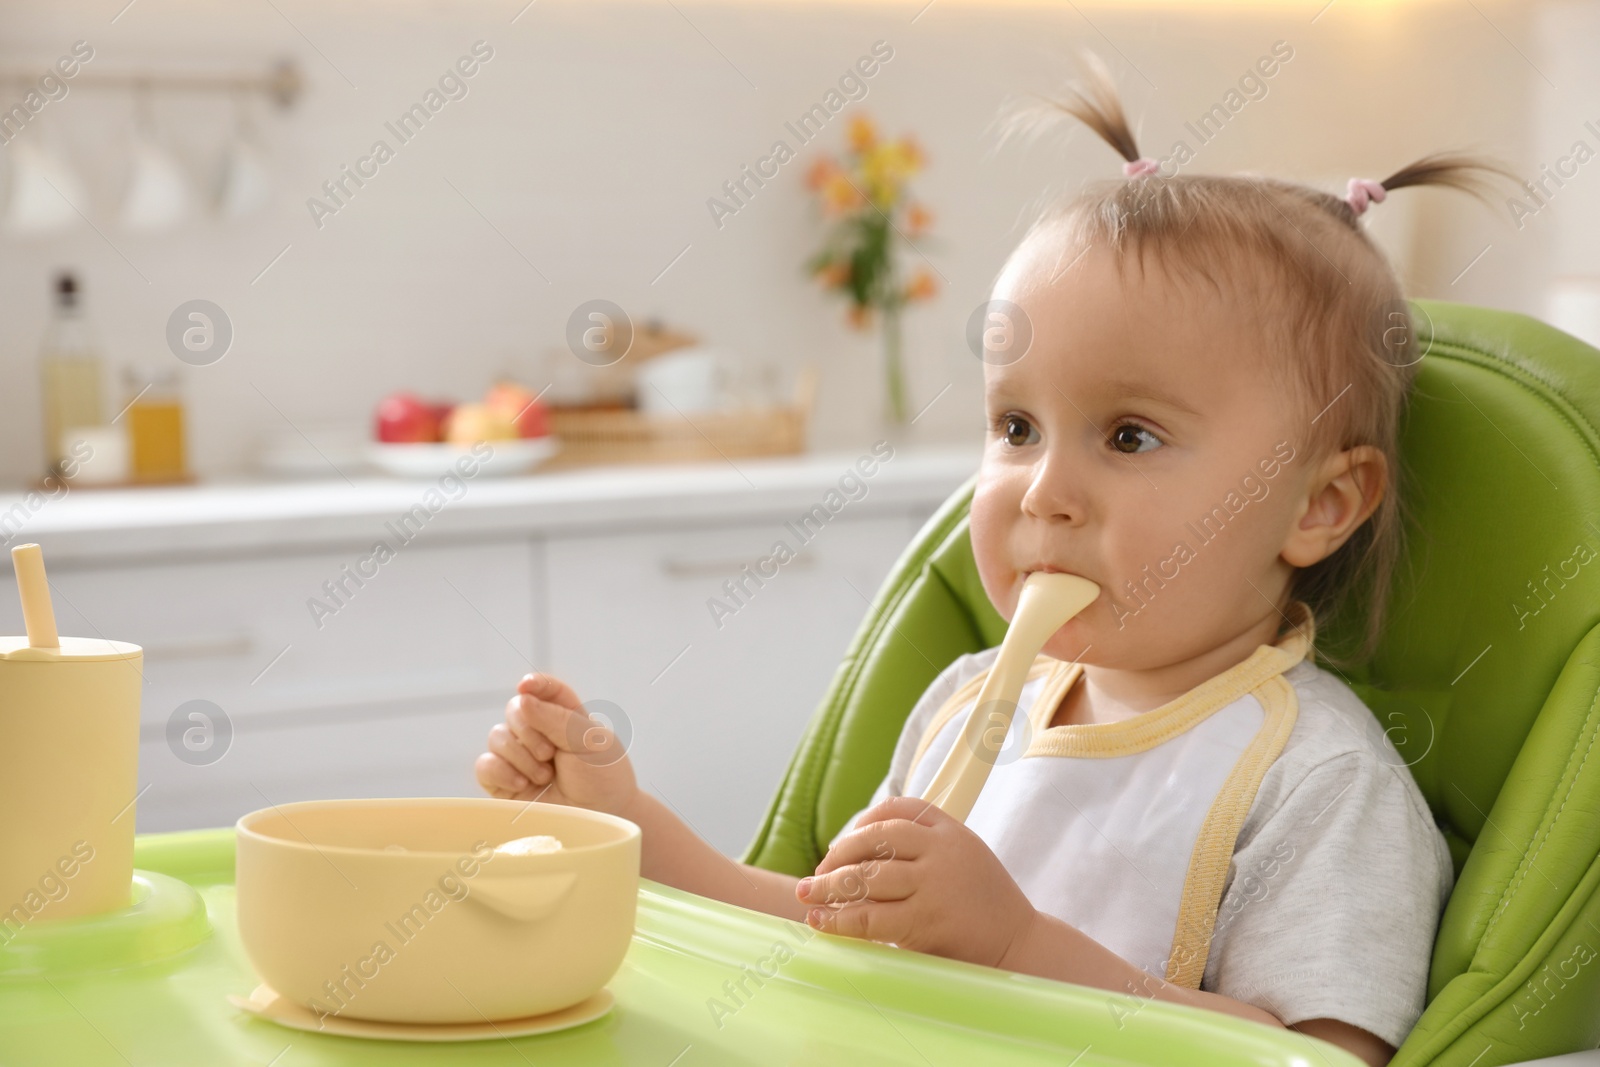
37 614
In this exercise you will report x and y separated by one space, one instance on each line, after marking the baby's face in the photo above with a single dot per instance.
1140 439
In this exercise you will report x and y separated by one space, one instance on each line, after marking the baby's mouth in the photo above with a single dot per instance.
1048 568
1027 571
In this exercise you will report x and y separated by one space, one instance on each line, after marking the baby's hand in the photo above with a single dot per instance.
550 750
911 875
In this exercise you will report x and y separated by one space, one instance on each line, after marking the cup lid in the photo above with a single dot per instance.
72 650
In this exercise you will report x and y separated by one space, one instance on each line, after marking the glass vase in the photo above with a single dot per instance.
893 367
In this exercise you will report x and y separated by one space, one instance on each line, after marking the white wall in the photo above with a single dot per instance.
594 137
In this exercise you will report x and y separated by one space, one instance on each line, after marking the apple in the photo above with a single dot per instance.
470 423
521 407
403 418
441 412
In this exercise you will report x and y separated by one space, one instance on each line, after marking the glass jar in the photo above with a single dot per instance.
155 426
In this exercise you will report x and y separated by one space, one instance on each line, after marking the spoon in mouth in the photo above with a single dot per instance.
1048 601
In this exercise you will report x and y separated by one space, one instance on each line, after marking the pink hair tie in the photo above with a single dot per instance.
1363 191
1140 167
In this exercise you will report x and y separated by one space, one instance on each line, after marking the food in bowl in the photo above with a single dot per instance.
449 930
529 846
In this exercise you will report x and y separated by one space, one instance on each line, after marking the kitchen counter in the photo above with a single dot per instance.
90 524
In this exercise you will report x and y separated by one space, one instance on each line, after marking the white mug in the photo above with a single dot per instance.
43 193
159 194
685 380
245 184
104 461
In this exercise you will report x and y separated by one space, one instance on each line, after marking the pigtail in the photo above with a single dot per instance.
1096 105
1100 108
1458 170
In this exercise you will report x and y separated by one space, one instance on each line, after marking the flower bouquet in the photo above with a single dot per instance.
868 205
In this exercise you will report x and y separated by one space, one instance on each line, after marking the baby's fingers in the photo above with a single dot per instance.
498 778
876 842
845 887
890 922
540 724
549 687
502 743
519 717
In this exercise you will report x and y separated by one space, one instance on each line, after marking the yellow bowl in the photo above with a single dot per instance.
336 917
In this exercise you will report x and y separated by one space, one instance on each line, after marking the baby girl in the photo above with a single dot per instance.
1198 410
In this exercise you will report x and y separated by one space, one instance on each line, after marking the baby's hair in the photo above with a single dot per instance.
1339 311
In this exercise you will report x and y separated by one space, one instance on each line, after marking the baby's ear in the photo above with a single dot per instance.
1343 494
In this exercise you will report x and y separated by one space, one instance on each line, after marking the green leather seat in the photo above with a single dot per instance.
1487 681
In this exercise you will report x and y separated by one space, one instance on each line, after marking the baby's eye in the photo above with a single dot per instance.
1130 437
1013 426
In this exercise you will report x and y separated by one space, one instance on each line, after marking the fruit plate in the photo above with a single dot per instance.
429 460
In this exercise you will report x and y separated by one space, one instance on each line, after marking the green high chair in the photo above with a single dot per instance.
1487 680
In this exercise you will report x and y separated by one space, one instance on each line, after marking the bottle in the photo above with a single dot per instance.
155 426
70 376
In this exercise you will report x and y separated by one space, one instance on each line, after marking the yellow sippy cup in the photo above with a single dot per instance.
69 764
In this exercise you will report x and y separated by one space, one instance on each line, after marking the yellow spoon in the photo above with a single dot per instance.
1047 602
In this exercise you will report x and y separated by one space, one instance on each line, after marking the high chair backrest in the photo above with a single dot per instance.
1487 680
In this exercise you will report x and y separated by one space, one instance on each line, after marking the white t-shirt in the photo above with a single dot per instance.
1334 883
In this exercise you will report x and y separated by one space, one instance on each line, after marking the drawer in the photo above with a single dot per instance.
715 685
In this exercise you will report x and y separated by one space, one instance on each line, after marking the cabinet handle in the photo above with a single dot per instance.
722 568
202 648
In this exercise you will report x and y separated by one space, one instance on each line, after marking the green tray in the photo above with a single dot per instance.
832 999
